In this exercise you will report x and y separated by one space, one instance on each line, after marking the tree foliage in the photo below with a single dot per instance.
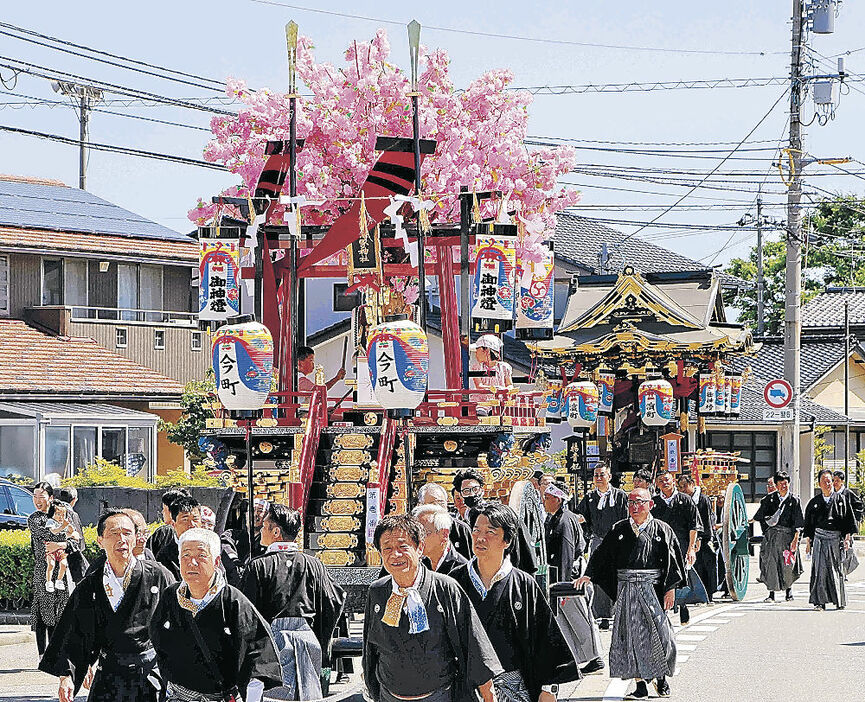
832 256
195 403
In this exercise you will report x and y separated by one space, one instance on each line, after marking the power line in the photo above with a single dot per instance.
654 86
55 74
651 143
112 148
111 63
540 40
30 32
709 174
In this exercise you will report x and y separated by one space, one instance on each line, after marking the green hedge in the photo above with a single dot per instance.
16 562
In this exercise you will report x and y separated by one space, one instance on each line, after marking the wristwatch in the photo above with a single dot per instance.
552 689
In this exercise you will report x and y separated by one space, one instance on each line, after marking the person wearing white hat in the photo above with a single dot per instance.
497 374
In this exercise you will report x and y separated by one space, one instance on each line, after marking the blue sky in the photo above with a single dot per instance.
245 39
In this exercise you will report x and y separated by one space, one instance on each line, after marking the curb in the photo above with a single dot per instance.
14 618
11 638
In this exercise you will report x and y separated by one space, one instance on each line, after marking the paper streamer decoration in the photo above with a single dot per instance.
581 403
493 293
606 389
656 402
706 403
219 279
243 365
398 364
536 300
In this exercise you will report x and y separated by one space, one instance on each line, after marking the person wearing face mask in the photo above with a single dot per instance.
107 622
639 565
781 520
598 511
514 613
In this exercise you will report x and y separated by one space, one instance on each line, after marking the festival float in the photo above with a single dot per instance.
387 183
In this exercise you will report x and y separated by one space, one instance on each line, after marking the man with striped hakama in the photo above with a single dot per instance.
829 527
639 565
780 517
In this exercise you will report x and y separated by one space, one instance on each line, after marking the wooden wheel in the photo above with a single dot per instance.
734 541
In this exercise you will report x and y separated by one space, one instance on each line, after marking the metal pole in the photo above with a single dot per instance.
760 280
846 389
84 117
250 516
792 319
414 47
289 339
465 306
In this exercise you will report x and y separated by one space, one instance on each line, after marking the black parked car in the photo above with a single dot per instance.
16 504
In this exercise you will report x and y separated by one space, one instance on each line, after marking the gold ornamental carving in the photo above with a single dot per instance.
345 490
352 474
335 558
340 524
342 507
336 541
352 441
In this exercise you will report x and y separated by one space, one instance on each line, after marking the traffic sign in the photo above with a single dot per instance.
777 415
778 393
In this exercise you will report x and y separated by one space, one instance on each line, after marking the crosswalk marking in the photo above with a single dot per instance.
734 614
689 637
682 659
716 620
685 647
707 629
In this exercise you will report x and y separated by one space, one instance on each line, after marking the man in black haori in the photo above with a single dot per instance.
781 520
565 546
680 512
439 553
166 534
639 565
295 594
598 511
422 639
829 528
211 644
106 622
706 564
514 613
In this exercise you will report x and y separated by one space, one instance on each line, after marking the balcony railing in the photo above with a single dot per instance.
92 313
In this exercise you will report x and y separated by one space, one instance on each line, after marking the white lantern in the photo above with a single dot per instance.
243 364
398 364
581 404
656 402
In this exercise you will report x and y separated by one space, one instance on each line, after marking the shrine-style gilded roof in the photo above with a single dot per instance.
609 315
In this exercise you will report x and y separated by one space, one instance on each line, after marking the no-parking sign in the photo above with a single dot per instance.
778 394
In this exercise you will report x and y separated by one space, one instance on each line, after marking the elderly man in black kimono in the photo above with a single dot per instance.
706 564
514 613
211 644
597 512
422 639
294 593
438 550
679 511
565 546
639 565
781 520
106 620
829 528
460 533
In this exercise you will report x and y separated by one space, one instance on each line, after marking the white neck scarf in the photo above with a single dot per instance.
290 546
501 574
115 586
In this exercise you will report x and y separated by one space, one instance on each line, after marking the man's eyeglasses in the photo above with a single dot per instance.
472 491
638 502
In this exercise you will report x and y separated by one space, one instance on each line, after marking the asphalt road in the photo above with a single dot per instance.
731 652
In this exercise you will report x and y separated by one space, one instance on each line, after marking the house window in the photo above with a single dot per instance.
4 286
18 450
113 444
196 341
120 337
83 447
52 281
56 450
159 339
75 282
759 447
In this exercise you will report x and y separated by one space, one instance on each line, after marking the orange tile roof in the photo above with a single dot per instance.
42 239
33 362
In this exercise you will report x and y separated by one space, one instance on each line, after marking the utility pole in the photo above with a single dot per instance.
761 326
847 390
792 320
86 96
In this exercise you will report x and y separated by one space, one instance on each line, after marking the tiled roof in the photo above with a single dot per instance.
23 240
35 363
819 356
579 240
40 204
827 309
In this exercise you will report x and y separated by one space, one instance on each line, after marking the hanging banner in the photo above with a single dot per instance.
495 267
373 514
606 388
707 394
728 393
219 279
719 394
735 395
536 302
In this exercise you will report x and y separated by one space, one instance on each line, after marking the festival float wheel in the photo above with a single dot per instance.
527 503
734 541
